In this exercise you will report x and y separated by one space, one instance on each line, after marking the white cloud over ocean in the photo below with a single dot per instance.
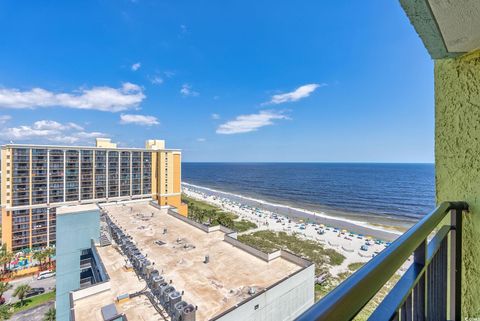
299 93
249 123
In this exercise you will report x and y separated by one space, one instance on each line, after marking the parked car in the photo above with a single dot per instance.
45 275
364 248
35 291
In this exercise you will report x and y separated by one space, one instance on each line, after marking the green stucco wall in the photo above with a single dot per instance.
457 158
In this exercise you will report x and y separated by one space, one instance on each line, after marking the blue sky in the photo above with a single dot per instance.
222 80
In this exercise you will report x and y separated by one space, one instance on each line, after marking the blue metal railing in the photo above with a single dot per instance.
422 293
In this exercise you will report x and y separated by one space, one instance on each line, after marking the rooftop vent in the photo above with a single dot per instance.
173 298
179 307
189 313
109 312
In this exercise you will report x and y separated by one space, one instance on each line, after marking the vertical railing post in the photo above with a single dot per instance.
456 265
420 257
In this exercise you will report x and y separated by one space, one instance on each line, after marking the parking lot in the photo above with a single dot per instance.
48 284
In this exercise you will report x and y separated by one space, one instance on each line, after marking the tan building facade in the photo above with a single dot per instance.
36 179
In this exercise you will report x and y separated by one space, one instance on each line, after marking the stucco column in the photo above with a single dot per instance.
457 158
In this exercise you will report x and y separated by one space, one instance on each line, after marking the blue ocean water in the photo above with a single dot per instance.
397 192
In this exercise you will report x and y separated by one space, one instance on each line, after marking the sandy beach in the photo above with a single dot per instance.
343 236
221 198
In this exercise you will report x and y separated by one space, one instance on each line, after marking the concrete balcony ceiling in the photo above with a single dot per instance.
448 28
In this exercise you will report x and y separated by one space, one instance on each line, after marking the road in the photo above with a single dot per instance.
48 284
34 314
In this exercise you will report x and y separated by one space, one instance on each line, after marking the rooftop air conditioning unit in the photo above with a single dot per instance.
153 275
145 264
161 289
177 314
165 296
156 281
173 298
189 313
148 271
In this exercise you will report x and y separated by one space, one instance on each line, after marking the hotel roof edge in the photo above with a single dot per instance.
77 209
88 147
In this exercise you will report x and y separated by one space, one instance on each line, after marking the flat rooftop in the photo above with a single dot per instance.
122 281
214 287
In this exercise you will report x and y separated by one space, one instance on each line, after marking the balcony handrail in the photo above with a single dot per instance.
350 297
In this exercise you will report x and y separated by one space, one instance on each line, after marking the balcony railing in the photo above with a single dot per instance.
422 293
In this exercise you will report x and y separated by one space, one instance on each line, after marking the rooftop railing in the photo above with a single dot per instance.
430 289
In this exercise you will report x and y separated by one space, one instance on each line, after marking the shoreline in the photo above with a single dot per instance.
380 231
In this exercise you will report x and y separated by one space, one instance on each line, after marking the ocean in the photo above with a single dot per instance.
386 194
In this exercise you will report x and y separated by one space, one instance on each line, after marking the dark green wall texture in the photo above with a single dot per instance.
457 158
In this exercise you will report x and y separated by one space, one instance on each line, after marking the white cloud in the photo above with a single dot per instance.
50 131
136 66
215 116
4 119
299 93
156 80
187 91
249 123
201 140
169 73
183 29
53 125
97 98
138 119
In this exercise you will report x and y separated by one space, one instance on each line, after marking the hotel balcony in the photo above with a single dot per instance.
21 159
21 180
56 199
39 218
21 227
20 244
442 281
21 219
21 173
71 198
20 202
39 200
39 241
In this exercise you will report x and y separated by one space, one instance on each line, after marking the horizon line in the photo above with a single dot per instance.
307 162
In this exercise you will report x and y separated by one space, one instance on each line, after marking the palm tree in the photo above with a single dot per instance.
40 256
4 287
21 291
5 312
50 315
49 252
5 257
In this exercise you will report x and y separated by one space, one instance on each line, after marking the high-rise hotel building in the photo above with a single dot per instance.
36 179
